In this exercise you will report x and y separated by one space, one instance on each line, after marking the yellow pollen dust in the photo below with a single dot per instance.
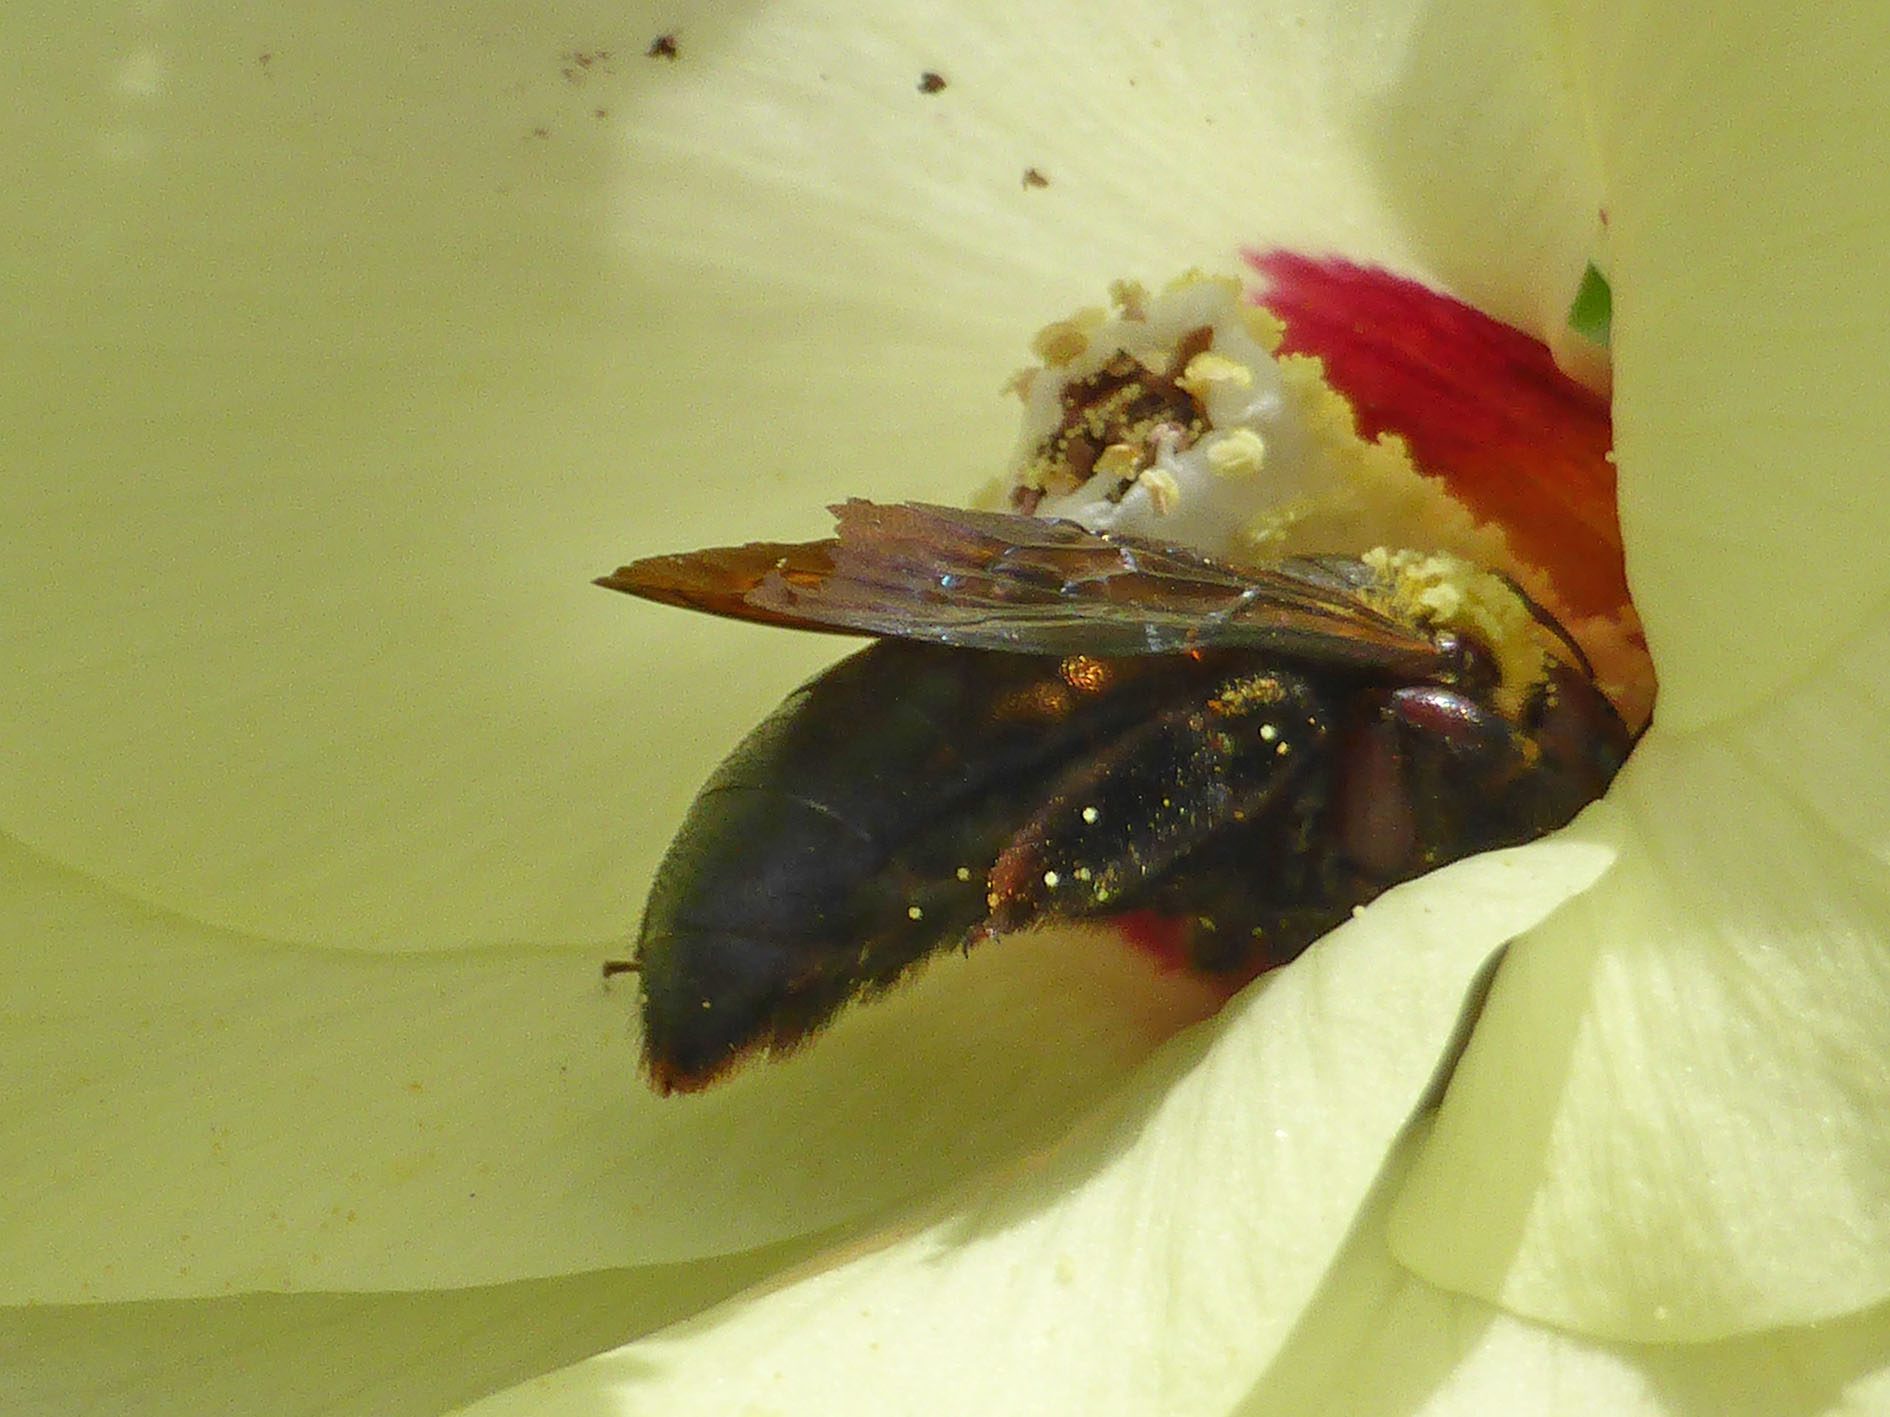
1052 879
1265 327
1130 297
1118 461
1246 693
1063 342
1445 592
1164 493
1083 673
1239 452
1091 815
1209 371
1195 276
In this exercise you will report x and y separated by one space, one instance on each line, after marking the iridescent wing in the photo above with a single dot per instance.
1026 585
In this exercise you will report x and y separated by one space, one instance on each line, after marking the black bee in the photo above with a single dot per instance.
1064 725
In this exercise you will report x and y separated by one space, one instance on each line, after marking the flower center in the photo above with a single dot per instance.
1356 410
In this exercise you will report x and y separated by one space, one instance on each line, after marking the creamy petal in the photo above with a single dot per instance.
361 337
330 1355
1670 1121
1155 1261
208 1115
1379 1342
1744 170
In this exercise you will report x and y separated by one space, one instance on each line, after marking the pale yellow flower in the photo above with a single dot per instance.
350 343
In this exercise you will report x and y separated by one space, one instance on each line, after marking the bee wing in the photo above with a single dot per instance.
1027 585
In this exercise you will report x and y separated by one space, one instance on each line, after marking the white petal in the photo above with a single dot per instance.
1379 1342
1670 1121
1155 1261
1745 163
357 341
199 1115
326 1355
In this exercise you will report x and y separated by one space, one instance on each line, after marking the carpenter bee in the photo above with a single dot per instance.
1056 724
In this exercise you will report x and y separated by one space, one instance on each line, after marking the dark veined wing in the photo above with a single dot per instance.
1028 585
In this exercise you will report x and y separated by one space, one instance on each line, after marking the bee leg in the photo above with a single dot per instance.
1374 818
1111 829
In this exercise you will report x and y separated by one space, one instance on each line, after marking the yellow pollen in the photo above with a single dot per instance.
1446 592
1163 491
1091 815
914 913
1195 276
1052 879
1118 461
1063 342
1237 453
1209 371
1130 297
1264 326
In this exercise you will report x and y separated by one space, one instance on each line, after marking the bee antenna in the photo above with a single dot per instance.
1549 623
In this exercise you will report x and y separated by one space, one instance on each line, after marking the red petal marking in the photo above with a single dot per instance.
1163 938
1481 405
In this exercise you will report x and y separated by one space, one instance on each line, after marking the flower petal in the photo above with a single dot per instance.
1751 280
1379 1342
209 1114
1156 1260
1669 1124
359 341
377 1355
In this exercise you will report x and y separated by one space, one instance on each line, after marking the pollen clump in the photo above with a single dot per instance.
1164 493
1118 461
1264 327
1243 695
1208 371
1445 592
1239 452
1130 297
1194 278
1062 342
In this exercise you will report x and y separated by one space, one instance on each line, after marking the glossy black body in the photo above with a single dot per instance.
920 795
